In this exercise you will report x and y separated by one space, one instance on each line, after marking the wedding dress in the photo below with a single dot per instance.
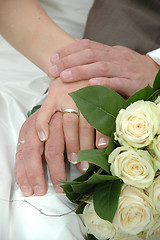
21 86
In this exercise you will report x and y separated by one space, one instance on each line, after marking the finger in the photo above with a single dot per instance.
44 115
54 151
83 57
19 169
93 70
77 46
121 85
70 125
32 151
86 132
101 140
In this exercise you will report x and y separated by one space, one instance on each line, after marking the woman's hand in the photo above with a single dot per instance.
55 129
117 67
78 134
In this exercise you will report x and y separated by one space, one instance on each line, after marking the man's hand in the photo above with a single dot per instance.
117 67
28 166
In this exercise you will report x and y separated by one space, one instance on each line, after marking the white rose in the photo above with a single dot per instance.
100 228
155 148
134 167
154 230
137 125
154 193
157 101
134 211
122 236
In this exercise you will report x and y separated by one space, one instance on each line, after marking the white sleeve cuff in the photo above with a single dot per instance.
155 55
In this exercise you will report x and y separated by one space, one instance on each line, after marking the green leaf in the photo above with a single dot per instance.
142 94
96 178
111 145
34 109
72 196
96 156
91 237
105 198
87 186
81 208
83 188
156 84
154 96
99 106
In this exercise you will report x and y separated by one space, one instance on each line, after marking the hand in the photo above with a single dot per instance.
117 67
78 134
63 128
29 172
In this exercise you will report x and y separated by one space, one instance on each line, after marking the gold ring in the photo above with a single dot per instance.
69 110
21 142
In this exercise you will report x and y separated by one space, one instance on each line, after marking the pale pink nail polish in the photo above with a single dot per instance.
85 166
102 142
42 136
73 157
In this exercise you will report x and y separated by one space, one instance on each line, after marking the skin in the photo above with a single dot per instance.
26 26
117 67
38 43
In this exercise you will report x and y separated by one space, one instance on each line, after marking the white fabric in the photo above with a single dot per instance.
21 85
155 55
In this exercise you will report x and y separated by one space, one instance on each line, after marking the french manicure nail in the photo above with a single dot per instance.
66 75
85 165
42 136
53 69
102 142
73 157
55 58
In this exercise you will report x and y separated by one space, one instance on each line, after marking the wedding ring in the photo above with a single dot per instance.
21 142
69 110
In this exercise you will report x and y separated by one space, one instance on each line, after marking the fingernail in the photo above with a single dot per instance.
73 157
102 142
53 70
85 165
58 188
66 75
55 58
26 190
42 136
94 81
38 190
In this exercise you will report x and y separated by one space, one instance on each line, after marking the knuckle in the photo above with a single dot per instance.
30 149
90 54
52 152
103 67
86 43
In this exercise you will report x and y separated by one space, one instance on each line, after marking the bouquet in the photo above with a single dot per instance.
119 195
